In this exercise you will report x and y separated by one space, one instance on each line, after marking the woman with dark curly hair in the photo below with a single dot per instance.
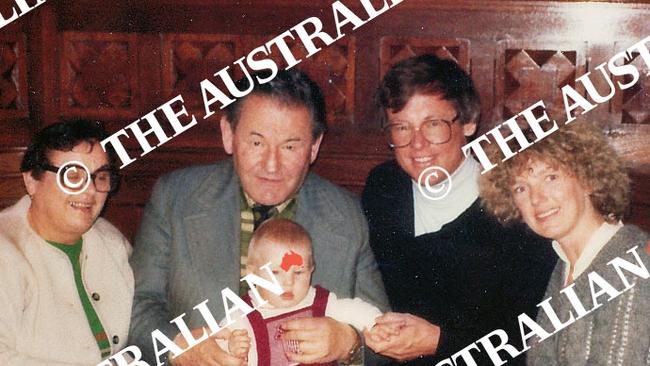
571 187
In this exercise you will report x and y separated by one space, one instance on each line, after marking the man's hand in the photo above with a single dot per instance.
239 343
206 353
319 340
416 337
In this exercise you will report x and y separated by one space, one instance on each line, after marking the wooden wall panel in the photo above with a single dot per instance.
11 181
632 106
99 76
396 49
117 62
14 103
13 80
190 58
527 72
125 217
333 68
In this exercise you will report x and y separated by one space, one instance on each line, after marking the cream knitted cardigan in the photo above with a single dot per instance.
42 321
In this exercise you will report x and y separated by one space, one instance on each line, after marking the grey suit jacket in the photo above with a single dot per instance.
187 248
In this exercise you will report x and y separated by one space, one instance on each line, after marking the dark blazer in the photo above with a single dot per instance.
187 248
470 277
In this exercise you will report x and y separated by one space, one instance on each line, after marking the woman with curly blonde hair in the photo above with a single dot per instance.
571 187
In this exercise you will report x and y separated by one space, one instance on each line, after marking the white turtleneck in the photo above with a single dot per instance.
430 215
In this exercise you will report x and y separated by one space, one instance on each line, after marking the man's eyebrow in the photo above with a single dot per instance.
293 139
103 167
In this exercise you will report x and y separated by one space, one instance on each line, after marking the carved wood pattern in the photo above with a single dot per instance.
99 75
157 41
526 73
332 68
633 105
190 58
396 49
13 84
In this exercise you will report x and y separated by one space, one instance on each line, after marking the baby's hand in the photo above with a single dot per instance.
383 332
239 343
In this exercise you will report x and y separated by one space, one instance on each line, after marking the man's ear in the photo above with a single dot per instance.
315 147
31 184
227 135
469 129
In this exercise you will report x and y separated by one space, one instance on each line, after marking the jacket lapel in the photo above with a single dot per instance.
322 219
213 231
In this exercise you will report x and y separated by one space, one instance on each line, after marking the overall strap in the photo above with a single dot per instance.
320 301
260 334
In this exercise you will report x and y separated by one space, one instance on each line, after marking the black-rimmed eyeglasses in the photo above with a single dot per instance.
74 176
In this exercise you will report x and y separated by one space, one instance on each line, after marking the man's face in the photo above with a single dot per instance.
420 153
272 148
56 215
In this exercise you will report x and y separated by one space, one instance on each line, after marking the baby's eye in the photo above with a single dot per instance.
551 177
275 271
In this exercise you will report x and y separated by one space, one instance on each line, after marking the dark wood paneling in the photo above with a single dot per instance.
527 72
190 58
396 49
115 62
13 80
99 76
125 217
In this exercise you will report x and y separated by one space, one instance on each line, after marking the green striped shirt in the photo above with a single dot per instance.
285 210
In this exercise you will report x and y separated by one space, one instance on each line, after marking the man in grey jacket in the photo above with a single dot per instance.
196 226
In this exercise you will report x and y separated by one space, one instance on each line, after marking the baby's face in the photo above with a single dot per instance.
292 268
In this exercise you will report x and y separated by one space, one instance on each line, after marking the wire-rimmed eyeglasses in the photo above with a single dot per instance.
436 131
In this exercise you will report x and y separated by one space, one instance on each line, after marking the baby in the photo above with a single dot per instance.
287 246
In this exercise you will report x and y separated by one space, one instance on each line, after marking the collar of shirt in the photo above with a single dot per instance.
596 242
250 202
430 215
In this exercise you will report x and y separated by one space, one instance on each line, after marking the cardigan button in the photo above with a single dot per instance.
95 296
116 339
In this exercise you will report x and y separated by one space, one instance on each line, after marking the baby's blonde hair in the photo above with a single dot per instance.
281 234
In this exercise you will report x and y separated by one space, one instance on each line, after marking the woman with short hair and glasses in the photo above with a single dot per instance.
67 288
451 271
